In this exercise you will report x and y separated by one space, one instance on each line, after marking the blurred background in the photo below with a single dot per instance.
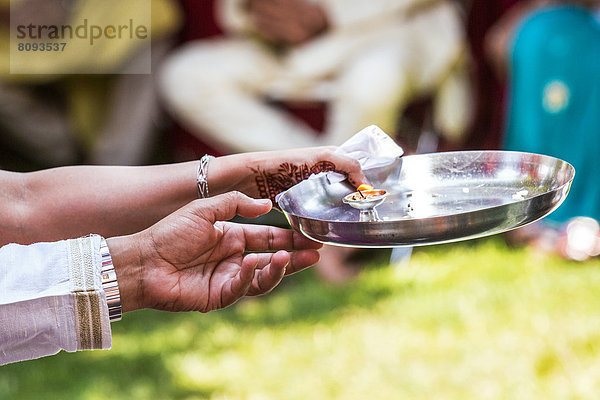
508 317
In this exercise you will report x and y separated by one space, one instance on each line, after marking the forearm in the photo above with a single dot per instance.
237 172
113 201
72 201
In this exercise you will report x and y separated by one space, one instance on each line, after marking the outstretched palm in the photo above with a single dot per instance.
197 262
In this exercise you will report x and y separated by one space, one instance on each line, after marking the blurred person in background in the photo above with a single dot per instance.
54 118
366 60
550 53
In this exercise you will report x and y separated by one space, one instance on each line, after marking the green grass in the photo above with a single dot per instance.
470 321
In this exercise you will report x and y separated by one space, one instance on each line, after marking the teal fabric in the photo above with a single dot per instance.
555 99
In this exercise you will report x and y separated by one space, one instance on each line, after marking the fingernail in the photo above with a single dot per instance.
265 202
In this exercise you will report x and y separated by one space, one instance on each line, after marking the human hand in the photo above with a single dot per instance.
266 174
193 260
287 22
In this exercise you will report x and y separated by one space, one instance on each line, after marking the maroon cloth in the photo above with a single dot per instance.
489 91
200 21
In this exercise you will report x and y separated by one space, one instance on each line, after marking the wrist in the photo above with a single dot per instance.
110 284
127 264
231 173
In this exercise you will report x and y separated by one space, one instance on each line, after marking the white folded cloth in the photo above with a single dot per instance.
372 147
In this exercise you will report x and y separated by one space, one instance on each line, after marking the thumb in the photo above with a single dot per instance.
226 206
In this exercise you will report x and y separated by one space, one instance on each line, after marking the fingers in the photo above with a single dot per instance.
239 286
301 260
349 167
269 272
280 30
262 272
268 8
228 205
328 160
269 238
269 276
249 265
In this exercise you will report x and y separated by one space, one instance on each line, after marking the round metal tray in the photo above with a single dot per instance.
433 198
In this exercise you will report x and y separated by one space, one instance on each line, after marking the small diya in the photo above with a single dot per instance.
366 199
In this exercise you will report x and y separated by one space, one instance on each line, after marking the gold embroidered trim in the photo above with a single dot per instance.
75 265
96 321
83 314
88 262
88 303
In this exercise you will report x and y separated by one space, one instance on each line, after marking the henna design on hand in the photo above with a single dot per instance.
271 183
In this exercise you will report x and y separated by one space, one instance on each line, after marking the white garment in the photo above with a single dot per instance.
51 299
376 56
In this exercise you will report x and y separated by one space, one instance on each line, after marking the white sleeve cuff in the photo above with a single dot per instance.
51 299
92 324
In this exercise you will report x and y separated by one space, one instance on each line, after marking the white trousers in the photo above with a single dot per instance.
218 89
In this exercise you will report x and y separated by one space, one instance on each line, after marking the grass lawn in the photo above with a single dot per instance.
469 321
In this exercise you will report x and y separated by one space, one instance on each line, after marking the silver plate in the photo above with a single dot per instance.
434 198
